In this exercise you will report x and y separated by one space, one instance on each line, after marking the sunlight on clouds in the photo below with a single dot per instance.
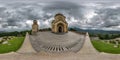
90 14
29 22
91 4
118 27
72 20
0 26
115 6
15 27
46 23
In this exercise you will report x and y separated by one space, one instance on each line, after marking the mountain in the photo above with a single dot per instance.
2 31
89 31
96 31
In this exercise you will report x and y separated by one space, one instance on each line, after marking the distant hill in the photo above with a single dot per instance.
2 31
97 31
87 30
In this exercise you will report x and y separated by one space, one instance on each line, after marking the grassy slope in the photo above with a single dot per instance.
104 47
15 45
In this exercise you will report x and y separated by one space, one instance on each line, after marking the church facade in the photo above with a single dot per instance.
59 25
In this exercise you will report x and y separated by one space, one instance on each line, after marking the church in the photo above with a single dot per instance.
58 25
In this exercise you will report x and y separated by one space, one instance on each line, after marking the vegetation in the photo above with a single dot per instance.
105 36
12 45
72 29
45 29
105 47
15 33
21 33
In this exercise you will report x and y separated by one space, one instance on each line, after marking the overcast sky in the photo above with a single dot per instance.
17 15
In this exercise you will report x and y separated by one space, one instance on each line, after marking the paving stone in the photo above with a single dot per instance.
49 39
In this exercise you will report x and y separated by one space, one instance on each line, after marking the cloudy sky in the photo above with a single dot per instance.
17 15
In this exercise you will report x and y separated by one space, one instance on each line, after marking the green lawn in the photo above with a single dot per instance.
104 47
13 45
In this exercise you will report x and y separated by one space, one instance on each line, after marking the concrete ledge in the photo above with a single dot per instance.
26 46
87 47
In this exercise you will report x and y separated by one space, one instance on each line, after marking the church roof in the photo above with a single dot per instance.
54 21
59 14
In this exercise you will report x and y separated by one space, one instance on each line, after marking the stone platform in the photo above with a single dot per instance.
51 42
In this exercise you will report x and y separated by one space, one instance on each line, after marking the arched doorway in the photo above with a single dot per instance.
60 28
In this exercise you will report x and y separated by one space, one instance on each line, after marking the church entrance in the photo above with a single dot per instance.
60 28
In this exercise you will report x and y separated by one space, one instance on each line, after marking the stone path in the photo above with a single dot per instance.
89 54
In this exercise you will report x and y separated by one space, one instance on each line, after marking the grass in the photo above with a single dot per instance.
15 44
104 47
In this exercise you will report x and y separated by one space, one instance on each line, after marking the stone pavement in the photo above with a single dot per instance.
50 42
87 52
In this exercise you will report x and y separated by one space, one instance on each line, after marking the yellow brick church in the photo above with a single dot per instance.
59 25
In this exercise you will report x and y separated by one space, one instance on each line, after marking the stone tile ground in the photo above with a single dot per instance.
50 42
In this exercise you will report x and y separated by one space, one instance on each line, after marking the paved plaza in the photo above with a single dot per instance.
50 42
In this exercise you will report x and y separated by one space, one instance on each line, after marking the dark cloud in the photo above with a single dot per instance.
19 15
108 16
66 8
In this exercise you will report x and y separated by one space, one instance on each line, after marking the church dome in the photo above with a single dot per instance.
59 14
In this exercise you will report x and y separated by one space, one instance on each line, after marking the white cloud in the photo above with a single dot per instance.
90 14
18 16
